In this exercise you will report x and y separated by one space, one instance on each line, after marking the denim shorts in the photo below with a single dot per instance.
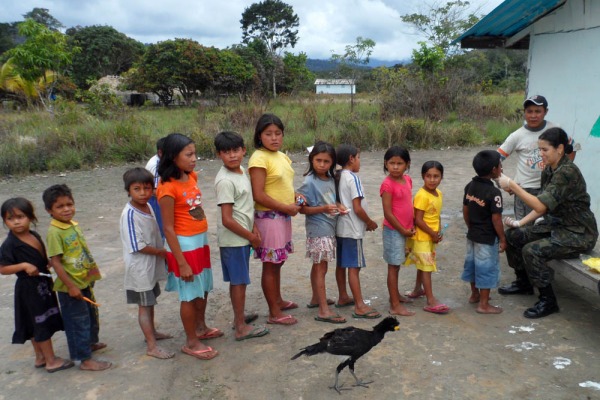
235 262
394 246
482 265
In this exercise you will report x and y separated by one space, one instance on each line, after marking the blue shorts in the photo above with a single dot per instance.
350 253
482 265
235 262
394 246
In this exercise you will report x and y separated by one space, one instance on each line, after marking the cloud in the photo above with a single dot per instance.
325 25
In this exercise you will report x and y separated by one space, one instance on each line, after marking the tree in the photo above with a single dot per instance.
8 32
42 16
274 23
296 74
104 51
232 73
355 56
41 58
441 24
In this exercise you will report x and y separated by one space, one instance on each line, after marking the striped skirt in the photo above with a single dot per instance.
197 253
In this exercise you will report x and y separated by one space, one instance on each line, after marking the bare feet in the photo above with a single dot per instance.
162 336
490 309
401 310
98 346
415 294
405 299
94 365
474 298
160 353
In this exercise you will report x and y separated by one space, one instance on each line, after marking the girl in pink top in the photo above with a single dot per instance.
396 198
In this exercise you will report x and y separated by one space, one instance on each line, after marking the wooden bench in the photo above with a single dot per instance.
574 270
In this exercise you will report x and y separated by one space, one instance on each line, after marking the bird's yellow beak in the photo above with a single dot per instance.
397 328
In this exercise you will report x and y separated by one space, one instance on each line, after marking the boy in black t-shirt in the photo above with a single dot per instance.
482 211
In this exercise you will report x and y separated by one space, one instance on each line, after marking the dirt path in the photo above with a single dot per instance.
454 356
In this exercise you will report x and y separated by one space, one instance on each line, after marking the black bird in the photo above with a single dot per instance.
352 342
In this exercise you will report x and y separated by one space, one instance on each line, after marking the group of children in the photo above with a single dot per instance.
255 216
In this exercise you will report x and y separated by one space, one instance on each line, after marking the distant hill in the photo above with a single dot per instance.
316 65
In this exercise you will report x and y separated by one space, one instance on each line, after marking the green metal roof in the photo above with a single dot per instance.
505 21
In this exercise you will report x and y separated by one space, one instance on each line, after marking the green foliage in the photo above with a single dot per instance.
441 24
101 100
296 75
41 58
271 21
104 51
429 59
42 16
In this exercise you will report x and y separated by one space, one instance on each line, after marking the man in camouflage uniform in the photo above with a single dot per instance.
568 228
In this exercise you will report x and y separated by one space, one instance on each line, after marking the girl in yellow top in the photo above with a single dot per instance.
428 207
272 180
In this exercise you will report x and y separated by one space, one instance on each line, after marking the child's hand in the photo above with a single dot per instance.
342 209
502 245
185 272
31 269
75 293
255 240
437 237
371 225
291 209
162 253
331 209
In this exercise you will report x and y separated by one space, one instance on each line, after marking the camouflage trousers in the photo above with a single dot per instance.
529 248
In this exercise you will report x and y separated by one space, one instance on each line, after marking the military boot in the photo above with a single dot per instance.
545 306
520 286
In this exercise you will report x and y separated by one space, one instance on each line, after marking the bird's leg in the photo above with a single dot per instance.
338 388
358 381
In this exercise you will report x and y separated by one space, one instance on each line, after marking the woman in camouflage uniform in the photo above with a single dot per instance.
568 227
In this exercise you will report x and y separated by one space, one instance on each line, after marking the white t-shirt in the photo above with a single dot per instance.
152 166
524 142
138 230
232 188
349 225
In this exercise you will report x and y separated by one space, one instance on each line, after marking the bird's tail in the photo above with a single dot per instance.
311 350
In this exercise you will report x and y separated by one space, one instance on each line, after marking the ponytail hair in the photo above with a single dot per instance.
556 137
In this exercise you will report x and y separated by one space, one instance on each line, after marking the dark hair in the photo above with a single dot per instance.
318 148
19 203
137 175
395 151
160 144
427 165
556 137
263 123
343 153
225 141
52 194
174 144
485 161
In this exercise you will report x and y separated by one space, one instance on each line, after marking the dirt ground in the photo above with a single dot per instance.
455 356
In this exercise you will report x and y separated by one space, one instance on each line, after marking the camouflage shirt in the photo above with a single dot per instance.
569 216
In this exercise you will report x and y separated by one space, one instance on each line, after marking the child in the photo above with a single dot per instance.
398 223
482 211
351 228
272 178
37 316
152 166
236 231
144 256
188 254
321 213
428 209
77 271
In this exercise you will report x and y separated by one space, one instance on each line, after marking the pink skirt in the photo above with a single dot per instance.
276 233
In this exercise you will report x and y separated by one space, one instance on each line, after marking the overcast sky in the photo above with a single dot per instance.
325 25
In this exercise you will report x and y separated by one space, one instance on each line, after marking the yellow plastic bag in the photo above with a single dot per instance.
593 263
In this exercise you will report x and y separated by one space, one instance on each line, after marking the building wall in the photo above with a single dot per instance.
564 63
334 89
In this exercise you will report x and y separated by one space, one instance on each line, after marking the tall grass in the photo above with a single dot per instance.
72 138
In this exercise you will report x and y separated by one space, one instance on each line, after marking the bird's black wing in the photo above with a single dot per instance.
350 341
